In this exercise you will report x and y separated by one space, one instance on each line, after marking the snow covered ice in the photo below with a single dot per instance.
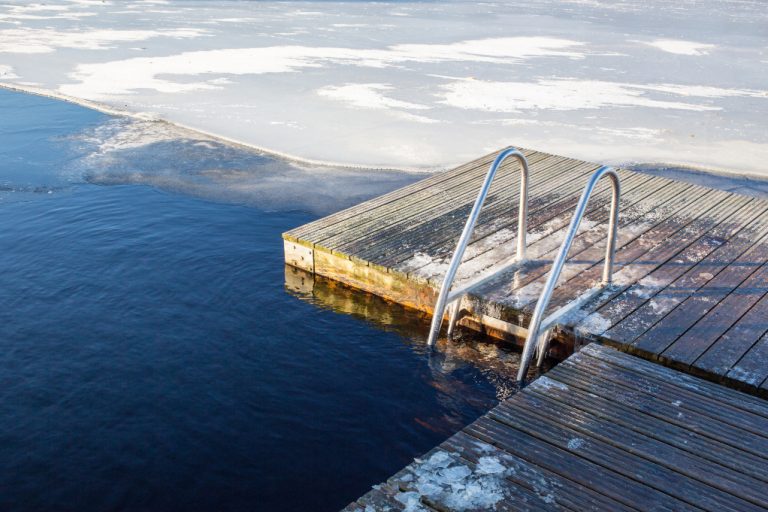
418 85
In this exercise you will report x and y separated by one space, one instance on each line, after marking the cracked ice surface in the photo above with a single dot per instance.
418 84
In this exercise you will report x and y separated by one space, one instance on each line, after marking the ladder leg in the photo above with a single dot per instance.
455 307
543 347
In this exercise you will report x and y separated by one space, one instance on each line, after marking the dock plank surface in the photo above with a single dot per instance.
603 430
690 281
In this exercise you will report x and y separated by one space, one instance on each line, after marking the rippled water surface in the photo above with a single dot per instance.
155 354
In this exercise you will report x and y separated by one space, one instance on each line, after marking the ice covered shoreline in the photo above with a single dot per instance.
416 85
143 116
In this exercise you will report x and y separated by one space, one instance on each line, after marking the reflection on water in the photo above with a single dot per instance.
150 357
497 362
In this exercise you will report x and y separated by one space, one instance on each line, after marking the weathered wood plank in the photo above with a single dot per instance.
555 178
686 400
667 280
677 436
645 253
545 223
666 410
450 211
710 327
695 282
640 449
661 333
751 369
497 216
709 389
371 206
567 463
431 202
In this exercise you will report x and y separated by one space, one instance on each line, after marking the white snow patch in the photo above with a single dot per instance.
702 91
46 40
100 80
554 94
501 49
679 47
6 72
367 96
576 443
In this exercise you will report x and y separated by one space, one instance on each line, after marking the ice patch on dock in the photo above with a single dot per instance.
593 324
443 478
544 383
646 287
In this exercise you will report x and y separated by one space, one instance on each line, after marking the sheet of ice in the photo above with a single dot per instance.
419 84
156 153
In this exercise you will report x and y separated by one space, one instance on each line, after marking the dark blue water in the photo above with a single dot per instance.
152 357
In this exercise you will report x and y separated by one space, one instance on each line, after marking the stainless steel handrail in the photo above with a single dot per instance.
522 226
557 266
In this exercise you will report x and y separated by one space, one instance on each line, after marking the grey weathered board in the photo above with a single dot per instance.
604 430
691 276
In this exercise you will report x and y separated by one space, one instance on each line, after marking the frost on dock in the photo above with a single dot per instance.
689 276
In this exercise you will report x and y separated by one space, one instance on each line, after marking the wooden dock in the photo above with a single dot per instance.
602 431
691 276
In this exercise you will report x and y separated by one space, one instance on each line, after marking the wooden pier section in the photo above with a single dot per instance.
601 431
691 275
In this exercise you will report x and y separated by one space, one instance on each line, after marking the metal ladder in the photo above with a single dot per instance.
446 295
537 326
540 328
